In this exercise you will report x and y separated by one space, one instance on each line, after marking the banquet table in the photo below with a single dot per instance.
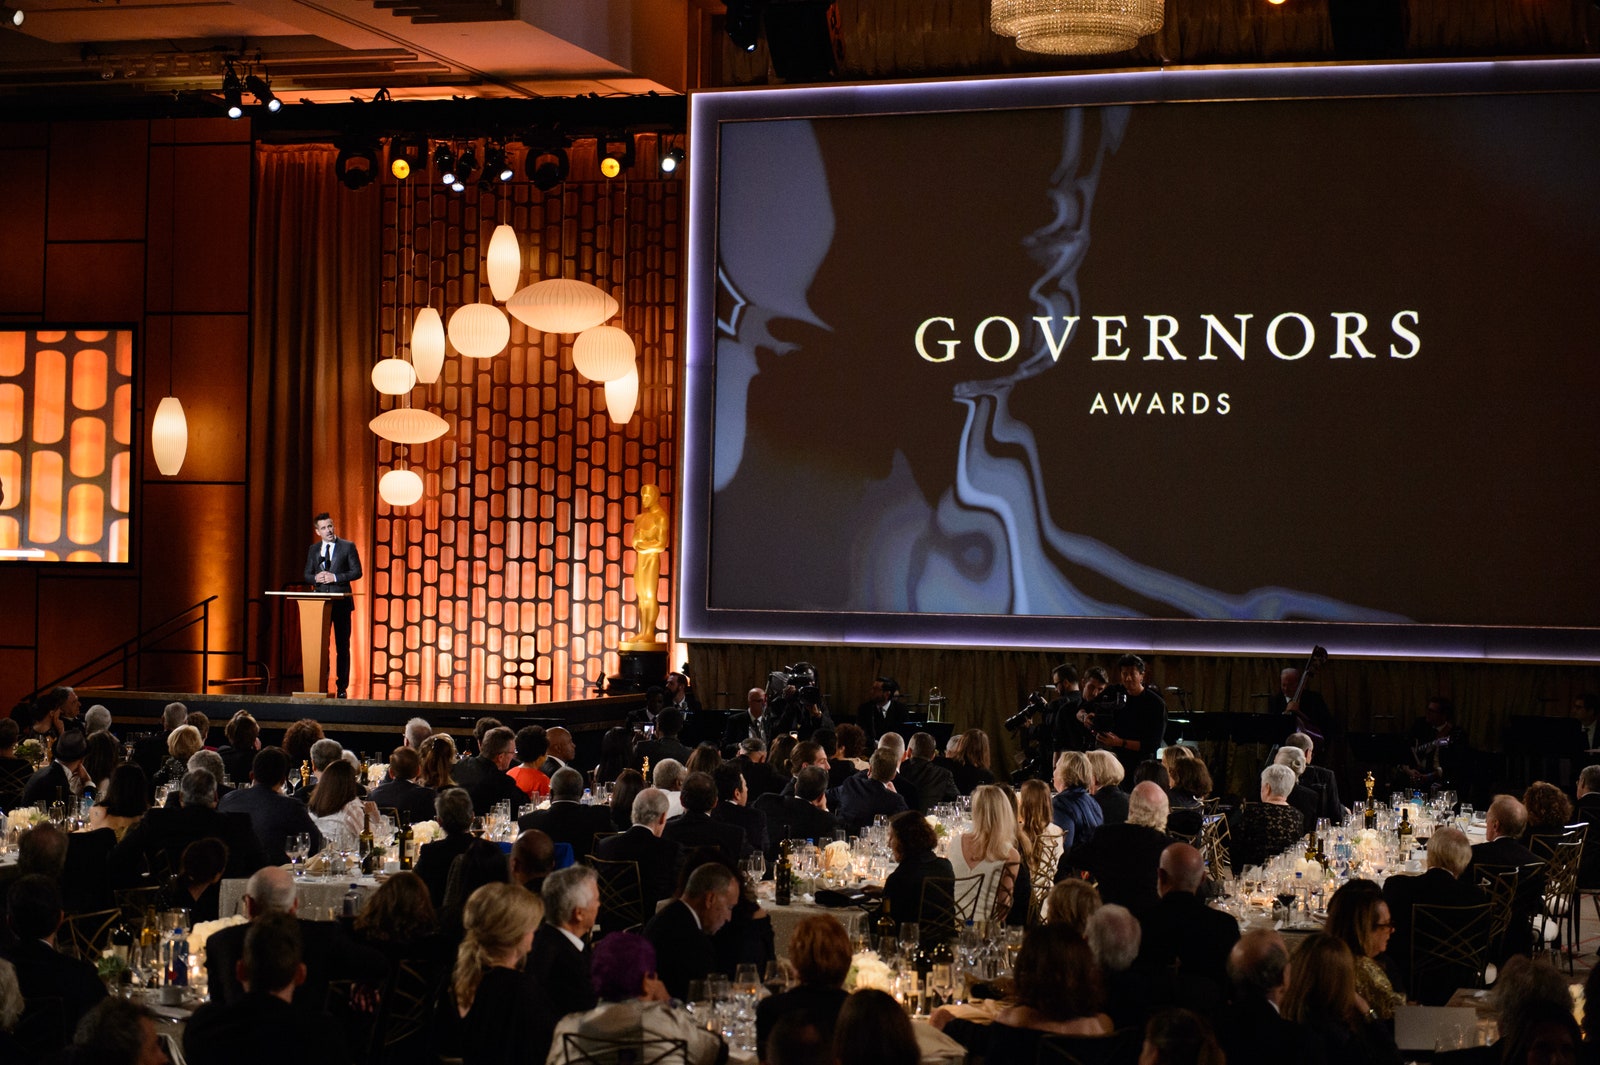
935 1047
785 919
321 897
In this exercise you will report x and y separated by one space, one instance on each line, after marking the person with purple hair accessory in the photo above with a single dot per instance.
635 1009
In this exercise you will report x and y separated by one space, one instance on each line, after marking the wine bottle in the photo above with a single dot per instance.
407 842
1406 827
783 876
888 929
366 840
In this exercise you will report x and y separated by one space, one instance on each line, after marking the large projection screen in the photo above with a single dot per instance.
1233 361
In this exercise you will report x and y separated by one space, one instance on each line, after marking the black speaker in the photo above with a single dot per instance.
803 39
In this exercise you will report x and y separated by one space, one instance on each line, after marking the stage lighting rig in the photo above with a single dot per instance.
744 24
672 160
495 164
12 16
444 161
546 167
616 154
466 167
261 89
407 155
357 164
232 91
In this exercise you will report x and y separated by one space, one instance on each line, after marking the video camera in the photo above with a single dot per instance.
1036 703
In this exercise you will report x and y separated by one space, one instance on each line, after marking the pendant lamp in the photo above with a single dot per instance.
504 262
169 436
400 488
622 397
603 353
393 377
427 345
479 330
408 425
561 305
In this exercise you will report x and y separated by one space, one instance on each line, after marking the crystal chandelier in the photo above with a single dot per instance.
1075 27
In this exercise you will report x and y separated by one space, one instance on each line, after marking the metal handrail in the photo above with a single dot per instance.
130 649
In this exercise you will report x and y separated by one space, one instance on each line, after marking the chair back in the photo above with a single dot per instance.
621 896
1449 948
1501 883
402 1031
1215 841
594 844
133 901
1118 1048
948 904
85 936
577 1049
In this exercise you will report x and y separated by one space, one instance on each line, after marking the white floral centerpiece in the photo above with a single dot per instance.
426 832
377 773
32 752
26 817
867 970
206 929
1366 845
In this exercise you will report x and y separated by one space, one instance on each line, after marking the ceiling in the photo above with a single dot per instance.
73 53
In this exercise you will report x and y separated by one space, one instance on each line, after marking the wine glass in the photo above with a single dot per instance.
910 936
756 866
941 987
296 847
775 981
747 982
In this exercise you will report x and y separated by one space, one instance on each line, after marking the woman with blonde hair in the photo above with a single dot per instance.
182 743
1040 841
504 1010
438 755
1107 787
988 851
1073 809
1072 902
972 769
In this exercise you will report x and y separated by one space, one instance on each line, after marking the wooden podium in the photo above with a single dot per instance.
316 622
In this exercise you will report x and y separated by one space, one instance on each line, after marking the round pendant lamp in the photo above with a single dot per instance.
603 353
504 262
479 330
561 305
408 425
400 488
169 436
394 377
427 345
622 397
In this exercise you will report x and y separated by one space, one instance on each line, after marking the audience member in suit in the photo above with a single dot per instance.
151 751
484 775
1588 810
507 1015
562 750
400 790
733 808
862 798
1107 789
567 820
34 908
273 815
56 780
157 842
115 1032
912 844
804 814
1124 858
932 784
268 1017
757 721
330 952
1302 798
680 694
655 701
883 712
533 857
669 725
695 827
1251 1030
1320 779
452 810
759 777
1503 847
1181 932
820 952
1449 854
560 958
657 858
681 932
1134 991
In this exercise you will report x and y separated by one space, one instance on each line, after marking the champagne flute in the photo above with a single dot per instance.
910 936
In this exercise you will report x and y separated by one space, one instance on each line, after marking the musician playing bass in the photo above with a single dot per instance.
1310 707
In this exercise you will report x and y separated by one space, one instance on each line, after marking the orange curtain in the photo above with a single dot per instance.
314 318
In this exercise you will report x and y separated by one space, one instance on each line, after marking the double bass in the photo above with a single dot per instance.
1318 659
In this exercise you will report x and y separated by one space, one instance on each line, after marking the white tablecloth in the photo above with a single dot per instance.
321 898
785 919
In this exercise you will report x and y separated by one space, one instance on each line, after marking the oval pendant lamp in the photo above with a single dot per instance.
603 353
479 330
427 345
394 377
622 397
169 436
561 305
408 425
503 264
400 488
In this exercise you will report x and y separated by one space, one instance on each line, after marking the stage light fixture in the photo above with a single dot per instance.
547 168
444 161
232 92
744 24
261 89
466 165
616 154
13 15
495 164
406 155
671 161
357 165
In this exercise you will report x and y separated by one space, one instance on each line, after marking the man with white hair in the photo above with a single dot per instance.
1133 991
1124 858
1264 830
1441 884
642 843
415 732
156 842
560 957
97 719
668 775
1319 778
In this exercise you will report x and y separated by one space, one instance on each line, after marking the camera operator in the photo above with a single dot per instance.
1033 725
1067 732
1128 719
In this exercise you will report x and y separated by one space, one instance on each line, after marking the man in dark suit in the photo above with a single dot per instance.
561 751
1310 709
400 791
1441 884
151 751
695 828
642 843
1319 779
1124 858
669 725
758 775
682 931
884 711
560 957
157 841
733 807
34 906
331 564
1302 798
932 784
1181 932
273 815
330 953
566 819
680 695
803 815
1503 849
54 781
756 721
484 774
1252 1031
866 795
452 810
258 1024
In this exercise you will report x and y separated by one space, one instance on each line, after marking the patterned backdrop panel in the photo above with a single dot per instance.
508 582
65 431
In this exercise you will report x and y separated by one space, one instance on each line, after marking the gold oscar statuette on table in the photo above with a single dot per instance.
649 541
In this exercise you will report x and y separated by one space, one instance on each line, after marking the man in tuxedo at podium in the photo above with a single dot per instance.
331 565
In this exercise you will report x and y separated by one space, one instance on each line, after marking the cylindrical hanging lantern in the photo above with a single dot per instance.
408 425
603 353
393 377
504 262
427 345
400 488
561 305
169 436
479 330
622 396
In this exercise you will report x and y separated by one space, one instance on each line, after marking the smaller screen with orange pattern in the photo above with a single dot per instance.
66 452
